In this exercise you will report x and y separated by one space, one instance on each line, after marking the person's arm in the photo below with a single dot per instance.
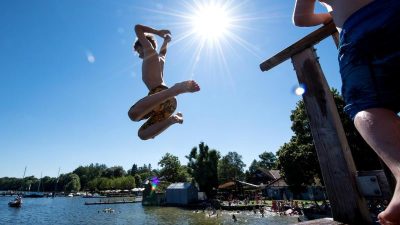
163 50
140 31
304 15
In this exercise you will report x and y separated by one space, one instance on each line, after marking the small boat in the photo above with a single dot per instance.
17 202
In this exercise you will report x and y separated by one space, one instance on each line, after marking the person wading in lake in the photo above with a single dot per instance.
369 60
160 103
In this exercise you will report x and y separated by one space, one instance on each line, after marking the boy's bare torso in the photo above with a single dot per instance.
343 9
152 69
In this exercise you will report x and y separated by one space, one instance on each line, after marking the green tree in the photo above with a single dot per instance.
73 184
230 167
268 160
48 183
134 170
138 180
104 183
171 169
89 173
128 182
115 171
298 165
93 185
84 175
253 166
297 160
203 167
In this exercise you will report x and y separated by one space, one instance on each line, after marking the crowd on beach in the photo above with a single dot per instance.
277 208
261 207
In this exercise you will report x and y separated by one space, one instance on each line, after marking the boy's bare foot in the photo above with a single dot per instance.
391 214
186 87
178 118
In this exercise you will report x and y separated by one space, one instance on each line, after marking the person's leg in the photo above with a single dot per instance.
148 103
156 128
381 130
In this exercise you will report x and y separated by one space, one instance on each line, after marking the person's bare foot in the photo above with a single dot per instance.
186 87
178 118
391 215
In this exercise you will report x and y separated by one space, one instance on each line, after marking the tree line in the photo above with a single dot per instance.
206 167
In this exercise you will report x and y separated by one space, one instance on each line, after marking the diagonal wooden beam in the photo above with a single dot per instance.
304 43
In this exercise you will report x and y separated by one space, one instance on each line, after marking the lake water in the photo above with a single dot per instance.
71 211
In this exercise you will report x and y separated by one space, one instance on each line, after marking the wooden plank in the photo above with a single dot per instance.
324 221
337 165
306 42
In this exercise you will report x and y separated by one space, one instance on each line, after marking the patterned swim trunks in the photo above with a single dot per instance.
369 58
162 112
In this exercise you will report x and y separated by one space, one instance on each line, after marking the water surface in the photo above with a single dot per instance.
64 210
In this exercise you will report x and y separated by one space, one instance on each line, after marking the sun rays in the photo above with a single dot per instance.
209 32
211 21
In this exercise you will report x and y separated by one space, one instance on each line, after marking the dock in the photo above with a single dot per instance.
112 202
324 221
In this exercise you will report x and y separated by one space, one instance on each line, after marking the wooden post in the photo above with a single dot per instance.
337 165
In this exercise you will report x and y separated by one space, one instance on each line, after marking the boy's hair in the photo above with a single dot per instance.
150 38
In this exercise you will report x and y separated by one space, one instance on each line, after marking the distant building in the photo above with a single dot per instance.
181 194
279 190
263 176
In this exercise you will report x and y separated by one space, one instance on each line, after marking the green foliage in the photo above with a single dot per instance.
253 167
297 160
88 173
267 160
203 166
231 167
73 183
115 171
138 180
171 169
134 170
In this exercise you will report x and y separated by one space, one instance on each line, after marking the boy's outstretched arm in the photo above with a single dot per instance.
304 15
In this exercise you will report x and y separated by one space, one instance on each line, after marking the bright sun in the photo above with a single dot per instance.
211 21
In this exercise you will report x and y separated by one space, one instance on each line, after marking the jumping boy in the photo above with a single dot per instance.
159 105
369 60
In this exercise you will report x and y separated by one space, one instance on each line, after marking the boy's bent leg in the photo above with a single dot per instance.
148 103
156 128
381 130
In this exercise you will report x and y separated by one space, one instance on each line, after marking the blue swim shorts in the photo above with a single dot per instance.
369 58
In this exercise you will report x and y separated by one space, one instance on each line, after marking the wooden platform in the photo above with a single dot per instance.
111 202
324 221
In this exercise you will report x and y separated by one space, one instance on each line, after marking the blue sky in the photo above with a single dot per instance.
68 77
